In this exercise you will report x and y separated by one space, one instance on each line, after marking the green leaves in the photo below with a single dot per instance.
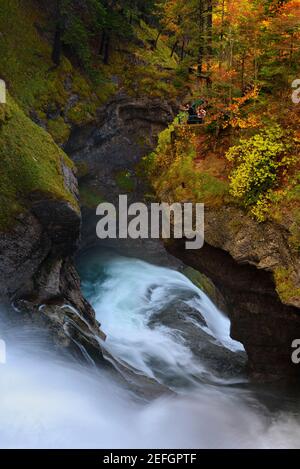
258 165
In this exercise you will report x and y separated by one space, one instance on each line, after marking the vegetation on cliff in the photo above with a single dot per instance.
30 162
62 59
243 58
102 50
55 97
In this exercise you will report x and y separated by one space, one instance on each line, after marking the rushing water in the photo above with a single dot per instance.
158 322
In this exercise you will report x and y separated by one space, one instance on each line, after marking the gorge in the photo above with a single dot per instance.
142 343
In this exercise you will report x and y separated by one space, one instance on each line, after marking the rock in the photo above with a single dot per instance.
241 256
127 130
68 328
205 284
40 226
264 245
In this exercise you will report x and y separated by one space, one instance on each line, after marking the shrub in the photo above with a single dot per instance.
125 181
259 165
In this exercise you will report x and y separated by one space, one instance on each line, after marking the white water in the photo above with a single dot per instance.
49 402
127 293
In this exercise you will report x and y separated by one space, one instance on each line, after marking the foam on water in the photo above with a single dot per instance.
127 293
51 402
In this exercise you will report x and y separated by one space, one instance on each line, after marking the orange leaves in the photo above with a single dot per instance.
251 121
238 102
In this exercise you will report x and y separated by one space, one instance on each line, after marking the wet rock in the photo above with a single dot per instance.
189 323
36 265
127 130
265 326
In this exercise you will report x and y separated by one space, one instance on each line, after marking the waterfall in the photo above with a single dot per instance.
155 320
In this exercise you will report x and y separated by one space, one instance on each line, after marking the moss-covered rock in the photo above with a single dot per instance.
287 285
30 162
90 196
206 285
63 94
59 130
125 181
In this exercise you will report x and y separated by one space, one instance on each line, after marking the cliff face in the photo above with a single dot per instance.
108 154
126 130
39 226
242 258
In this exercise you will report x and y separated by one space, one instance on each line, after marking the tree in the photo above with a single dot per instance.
57 46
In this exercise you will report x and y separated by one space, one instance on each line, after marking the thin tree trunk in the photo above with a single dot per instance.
174 48
209 30
157 39
182 49
231 86
102 43
255 61
57 46
221 52
291 49
201 37
106 50
230 68
243 72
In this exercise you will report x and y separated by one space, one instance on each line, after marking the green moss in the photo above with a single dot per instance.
104 90
90 197
81 87
143 70
82 169
5 114
82 113
28 70
30 162
201 281
59 130
171 169
294 239
26 58
285 284
210 188
125 181
160 55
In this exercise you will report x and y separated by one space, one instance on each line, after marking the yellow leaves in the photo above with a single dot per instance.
259 165
239 102
251 121
297 136
266 23
261 209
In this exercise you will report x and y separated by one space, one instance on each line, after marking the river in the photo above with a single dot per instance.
168 331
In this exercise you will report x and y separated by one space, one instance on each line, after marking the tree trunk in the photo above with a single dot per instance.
243 73
57 46
102 43
291 49
157 38
182 49
106 49
201 36
221 52
209 34
174 48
